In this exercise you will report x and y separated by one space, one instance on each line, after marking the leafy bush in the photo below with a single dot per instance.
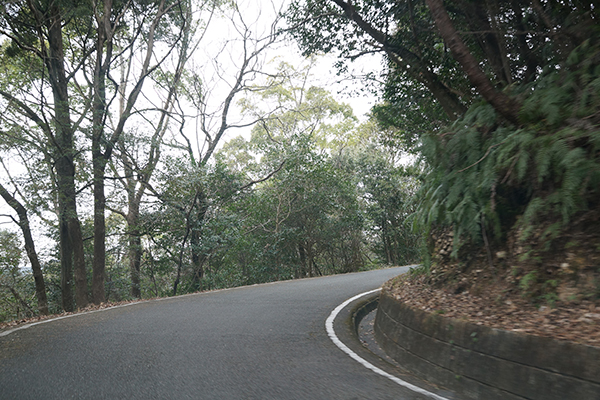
487 178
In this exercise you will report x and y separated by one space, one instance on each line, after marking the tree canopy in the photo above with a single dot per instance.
114 140
117 170
499 99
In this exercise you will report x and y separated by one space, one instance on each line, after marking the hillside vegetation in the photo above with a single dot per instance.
500 100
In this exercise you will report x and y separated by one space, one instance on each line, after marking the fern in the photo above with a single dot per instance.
518 176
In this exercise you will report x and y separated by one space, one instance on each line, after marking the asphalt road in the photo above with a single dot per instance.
258 342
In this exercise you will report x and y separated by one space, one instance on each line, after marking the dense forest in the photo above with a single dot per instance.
112 142
500 99
115 161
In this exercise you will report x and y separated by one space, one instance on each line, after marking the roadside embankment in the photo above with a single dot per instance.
485 363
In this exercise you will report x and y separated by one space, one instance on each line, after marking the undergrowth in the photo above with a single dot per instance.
492 182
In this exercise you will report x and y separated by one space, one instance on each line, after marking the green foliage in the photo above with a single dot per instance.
310 193
190 221
386 193
304 221
528 281
457 189
549 167
408 110
14 283
10 252
533 286
337 202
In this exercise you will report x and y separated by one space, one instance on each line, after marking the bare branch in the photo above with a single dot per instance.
269 176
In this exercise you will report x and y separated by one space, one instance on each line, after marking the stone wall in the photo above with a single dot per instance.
485 363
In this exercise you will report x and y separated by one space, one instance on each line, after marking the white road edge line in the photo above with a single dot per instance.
9 331
356 357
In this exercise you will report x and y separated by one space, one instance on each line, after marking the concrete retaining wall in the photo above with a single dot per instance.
486 363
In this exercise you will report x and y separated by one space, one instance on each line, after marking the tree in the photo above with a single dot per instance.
108 22
40 286
75 43
305 219
517 154
393 28
169 224
38 29
511 40
387 192
10 275
503 104
198 103
137 173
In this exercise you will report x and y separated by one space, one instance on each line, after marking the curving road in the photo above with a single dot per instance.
258 342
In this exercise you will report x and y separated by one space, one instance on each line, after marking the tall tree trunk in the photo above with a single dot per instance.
99 159
135 262
504 105
38 276
134 198
135 193
135 247
80 271
71 241
188 230
195 238
303 266
99 261
104 51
